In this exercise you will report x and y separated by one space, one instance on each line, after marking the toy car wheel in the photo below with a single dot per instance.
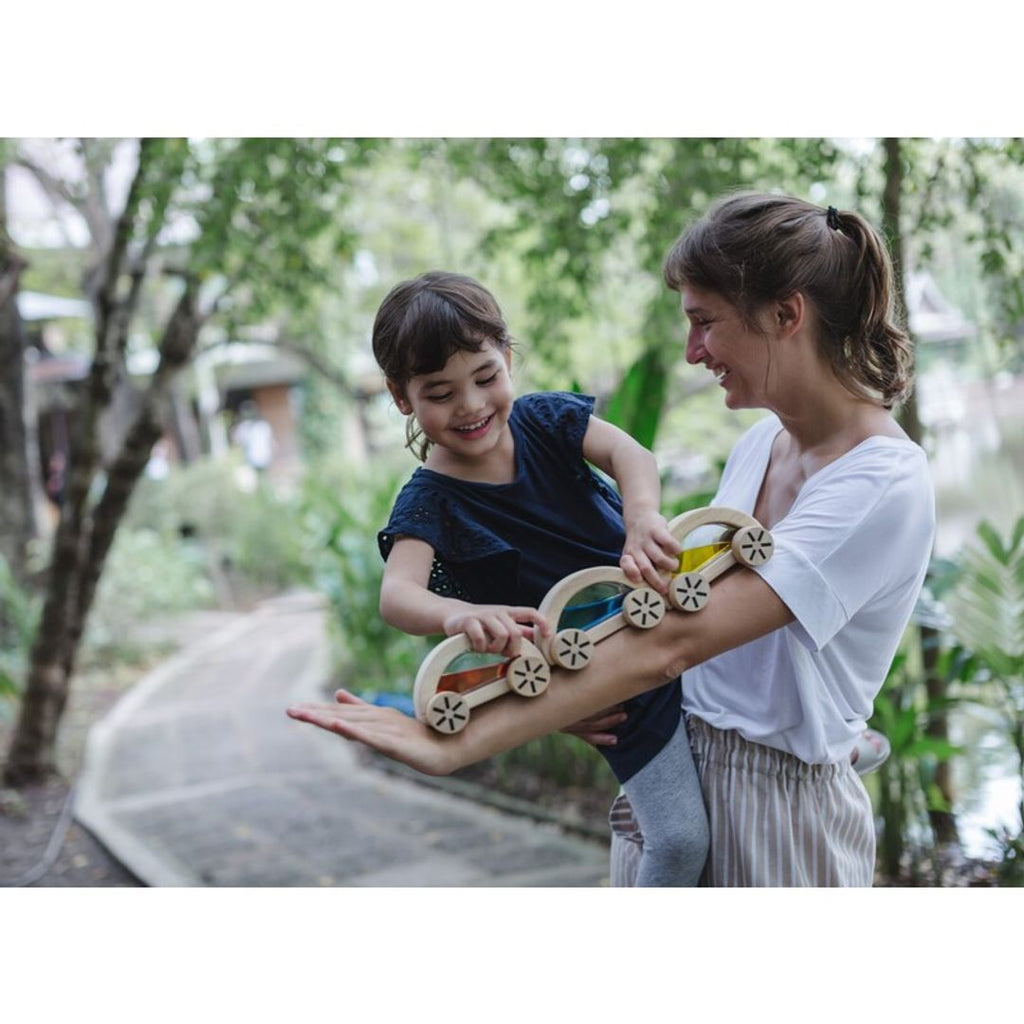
643 608
447 712
752 545
689 592
528 675
572 649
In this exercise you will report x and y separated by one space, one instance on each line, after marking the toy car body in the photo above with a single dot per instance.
745 542
443 695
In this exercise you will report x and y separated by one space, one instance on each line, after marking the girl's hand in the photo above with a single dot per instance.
495 628
594 729
651 552
384 729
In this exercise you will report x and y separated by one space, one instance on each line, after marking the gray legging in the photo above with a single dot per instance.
668 806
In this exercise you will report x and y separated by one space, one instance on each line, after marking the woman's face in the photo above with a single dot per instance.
735 354
463 407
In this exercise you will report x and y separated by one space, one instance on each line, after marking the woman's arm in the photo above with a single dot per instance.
407 604
742 608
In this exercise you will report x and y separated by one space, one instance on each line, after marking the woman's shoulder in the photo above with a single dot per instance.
887 455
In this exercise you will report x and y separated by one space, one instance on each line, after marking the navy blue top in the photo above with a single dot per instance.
511 543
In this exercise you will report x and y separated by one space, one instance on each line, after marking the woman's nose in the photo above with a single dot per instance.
694 347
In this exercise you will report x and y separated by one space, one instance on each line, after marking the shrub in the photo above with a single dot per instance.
147 574
19 612
342 534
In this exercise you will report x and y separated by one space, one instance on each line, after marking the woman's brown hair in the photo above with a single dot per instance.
754 248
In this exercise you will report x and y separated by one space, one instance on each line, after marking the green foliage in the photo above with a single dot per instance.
234 522
637 403
987 605
987 608
561 759
148 574
980 660
260 205
906 789
19 612
342 518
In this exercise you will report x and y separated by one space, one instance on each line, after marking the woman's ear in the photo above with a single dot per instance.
790 313
399 397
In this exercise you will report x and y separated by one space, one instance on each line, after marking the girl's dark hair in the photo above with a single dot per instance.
423 322
753 249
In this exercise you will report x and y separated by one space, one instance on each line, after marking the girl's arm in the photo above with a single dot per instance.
407 604
629 662
650 550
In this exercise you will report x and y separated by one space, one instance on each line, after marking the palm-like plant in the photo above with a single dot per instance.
987 612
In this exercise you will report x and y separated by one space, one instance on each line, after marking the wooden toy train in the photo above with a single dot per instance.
586 607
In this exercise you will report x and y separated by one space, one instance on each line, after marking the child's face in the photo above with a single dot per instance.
464 406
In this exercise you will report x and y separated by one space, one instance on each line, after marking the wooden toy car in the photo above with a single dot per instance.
592 604
444 693
583 617
745 542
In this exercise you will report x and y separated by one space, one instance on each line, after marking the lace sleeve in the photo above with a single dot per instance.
560 414
421 512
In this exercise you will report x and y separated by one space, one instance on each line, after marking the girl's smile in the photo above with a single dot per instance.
472 431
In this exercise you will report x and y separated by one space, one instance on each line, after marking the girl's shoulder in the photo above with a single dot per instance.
433 508
553 420
553 408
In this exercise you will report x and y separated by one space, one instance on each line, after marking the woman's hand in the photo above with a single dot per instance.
496 628
650 552
386 730
594 729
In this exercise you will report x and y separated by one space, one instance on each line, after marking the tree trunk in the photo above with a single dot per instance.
943 822
79 561
17 513
33 746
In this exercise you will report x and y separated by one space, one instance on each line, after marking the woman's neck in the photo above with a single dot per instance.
826 420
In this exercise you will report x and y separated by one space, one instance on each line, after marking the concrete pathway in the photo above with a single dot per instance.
198 778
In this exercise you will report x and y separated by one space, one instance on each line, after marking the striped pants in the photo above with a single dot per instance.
775 821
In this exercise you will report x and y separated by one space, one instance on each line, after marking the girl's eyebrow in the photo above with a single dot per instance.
488 364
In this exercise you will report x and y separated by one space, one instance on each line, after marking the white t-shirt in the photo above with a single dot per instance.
850 558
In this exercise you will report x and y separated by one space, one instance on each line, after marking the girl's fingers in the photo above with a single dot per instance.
627 563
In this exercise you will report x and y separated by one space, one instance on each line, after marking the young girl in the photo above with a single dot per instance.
504 507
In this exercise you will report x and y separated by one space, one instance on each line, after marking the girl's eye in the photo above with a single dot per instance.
438 398
489 380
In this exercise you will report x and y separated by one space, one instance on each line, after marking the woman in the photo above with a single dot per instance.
790 307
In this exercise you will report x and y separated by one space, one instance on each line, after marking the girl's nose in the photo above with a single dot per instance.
471 401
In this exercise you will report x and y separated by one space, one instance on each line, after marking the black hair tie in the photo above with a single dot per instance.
832 218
